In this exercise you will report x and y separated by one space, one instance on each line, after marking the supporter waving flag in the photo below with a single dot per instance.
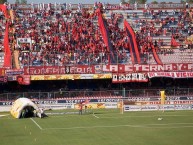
105 34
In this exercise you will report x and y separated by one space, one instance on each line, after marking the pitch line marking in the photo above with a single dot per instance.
143 116
4 115
95 115
185 125
36 124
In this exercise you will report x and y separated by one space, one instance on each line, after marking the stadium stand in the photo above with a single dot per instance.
65 35
61 37
61 34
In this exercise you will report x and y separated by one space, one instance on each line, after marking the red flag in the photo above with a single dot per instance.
105 35
3 8
7 51
133 41
174 43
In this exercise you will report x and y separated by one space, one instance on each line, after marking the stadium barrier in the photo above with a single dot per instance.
133 100
131 95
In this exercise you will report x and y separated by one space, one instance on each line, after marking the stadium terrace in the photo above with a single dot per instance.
120 43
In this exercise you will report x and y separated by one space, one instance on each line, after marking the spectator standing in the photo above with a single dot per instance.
55 5
187 5
104 6
32 7
64 6
146 6
135 5
79 7
70 6
121 5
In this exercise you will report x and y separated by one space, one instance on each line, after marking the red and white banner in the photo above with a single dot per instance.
98 69
52 70
148 68
169 102
129 77
171 74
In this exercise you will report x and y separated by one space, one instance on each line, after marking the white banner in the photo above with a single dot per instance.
110 105
24 40
158 107
132 108
129 77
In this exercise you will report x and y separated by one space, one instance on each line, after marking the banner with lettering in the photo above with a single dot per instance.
56 77
10 72
71 77
100 69
171 74
91 106
129 77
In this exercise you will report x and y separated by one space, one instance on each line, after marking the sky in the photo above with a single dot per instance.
84 1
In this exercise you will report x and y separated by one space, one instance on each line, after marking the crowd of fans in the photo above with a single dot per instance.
176 24
61 35
2 30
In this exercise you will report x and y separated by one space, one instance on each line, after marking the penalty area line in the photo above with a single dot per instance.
95 115
36 124
164 126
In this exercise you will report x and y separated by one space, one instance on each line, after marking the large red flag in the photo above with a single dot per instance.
105 35
133 41
7 51
7 57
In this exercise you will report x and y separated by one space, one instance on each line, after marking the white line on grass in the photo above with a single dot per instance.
4 115
95 115
134 126
36 124
142 116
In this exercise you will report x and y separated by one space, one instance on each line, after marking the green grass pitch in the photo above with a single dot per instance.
104 127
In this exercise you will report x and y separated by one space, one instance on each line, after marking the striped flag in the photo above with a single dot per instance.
133 41
105 34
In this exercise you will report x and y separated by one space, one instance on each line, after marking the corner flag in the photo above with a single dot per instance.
163 97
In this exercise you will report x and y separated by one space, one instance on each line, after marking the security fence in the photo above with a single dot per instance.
143 94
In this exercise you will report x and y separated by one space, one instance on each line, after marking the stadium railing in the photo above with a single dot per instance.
152 94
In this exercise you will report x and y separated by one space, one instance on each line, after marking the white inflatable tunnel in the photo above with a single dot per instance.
23 108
